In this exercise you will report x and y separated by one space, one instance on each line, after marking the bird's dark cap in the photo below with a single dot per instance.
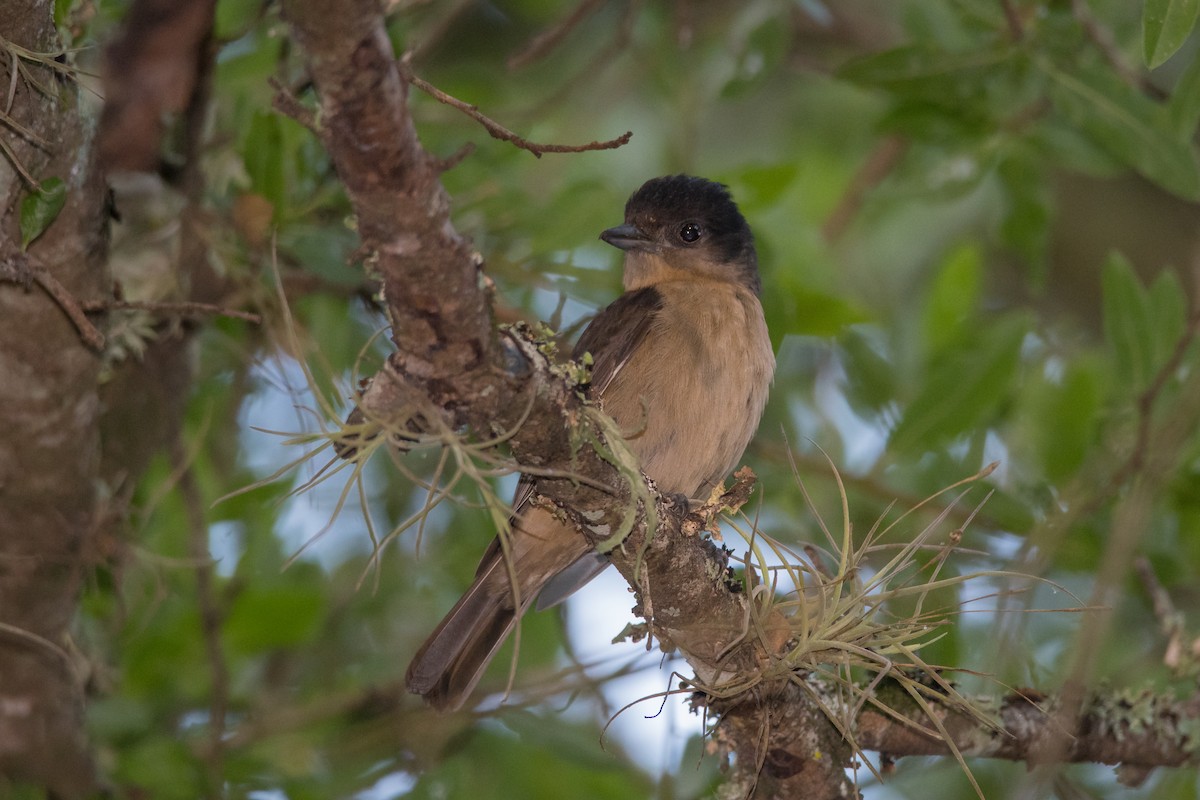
663 204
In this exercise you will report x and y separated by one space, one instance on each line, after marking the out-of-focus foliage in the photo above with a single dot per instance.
978 233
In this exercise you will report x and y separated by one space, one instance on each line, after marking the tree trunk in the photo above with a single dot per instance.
49 453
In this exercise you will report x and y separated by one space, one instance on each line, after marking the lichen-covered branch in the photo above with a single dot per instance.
1139 729
449 358
453 370
451 363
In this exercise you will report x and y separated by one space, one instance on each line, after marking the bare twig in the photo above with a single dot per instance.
286 103
879 164
23 131
1147 399
180 309
685 23
39 641
600 61
498 131
23 270
1104 41
456 158
1016 28
1178 656
437 32
11 155
12 83
548 39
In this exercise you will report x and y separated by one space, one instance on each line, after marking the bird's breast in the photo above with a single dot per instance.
691 395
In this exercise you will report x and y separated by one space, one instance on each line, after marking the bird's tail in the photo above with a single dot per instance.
454 657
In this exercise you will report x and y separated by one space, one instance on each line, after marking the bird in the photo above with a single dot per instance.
681 361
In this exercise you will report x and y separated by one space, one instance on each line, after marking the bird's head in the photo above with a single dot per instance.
684 228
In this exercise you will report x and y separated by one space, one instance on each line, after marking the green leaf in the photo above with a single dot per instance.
1168 314
235 16
62 8
1127 323
1128 125
1166 25
1026 223
962 389
954 296
40 208
263 152
870 374
1067 417
494 763
929 72
119 716
163 660
1184 106
270 617
764 50
161 766
811 313
761 185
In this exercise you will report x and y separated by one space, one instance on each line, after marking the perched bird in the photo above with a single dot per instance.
681 361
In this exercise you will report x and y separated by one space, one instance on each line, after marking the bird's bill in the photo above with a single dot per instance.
627 237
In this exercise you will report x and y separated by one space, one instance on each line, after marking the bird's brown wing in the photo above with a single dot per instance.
615 333
612 337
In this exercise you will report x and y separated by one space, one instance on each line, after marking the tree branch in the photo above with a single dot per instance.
23 270
1132 729
450 361
498 131
452 365
49 404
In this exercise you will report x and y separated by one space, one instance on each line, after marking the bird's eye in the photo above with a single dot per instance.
689 232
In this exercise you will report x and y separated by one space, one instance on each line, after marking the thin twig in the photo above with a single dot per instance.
11 155
437 32
685 23
879 164
23 131
548 39
23 270
498 131
601 60
40 641
1147 399
456 158
286 103
1176 656
12 82
1104 41
180 309
1016 28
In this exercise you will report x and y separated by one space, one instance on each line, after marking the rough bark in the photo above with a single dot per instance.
449 359
49 455
451 367
451 364
783 747
1134 729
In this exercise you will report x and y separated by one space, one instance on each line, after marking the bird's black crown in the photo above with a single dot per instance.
675 200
